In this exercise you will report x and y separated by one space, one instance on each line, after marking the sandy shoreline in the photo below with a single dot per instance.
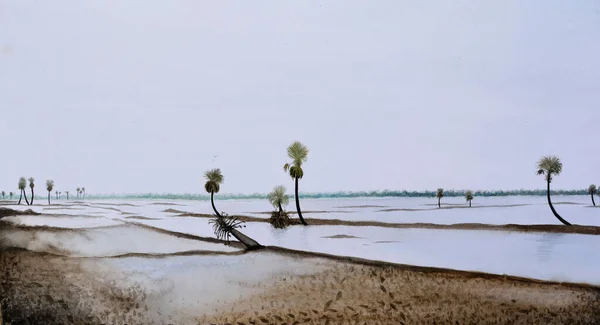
61 290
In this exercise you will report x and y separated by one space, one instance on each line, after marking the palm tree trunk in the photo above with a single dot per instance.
212 201
565 222
250 243
280 209
439 204
469 203
20 197
31 196
593 202
48 197
298 205
25 195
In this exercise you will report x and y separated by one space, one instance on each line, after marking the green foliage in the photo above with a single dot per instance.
278 197
222 226
22 183
49 185
469 195
31 182
214 179
439 193
3 194
299 154
279 220
549 166
592 189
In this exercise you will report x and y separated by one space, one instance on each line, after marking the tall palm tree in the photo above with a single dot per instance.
3 194
298 153
550 166
22 185
439 195
214 179
278 198
31 185
10 195
78 190
83 192
67 192
56 194
592 191
469 196
49 187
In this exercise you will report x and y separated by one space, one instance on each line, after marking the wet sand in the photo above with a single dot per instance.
42 288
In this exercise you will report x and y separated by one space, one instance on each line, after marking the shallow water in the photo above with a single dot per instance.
546 256
104 242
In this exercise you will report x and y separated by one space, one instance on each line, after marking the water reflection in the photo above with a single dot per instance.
546 245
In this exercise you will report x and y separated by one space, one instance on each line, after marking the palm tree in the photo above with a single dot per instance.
78 190
298 153
83 191
49 187
56 194
592 191
67 192
224 226
10 195
469 196
214 179
31 185
22 185
3 194
278 198
550 166
439 195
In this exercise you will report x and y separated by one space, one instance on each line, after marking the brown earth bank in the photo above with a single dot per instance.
47 289
573 229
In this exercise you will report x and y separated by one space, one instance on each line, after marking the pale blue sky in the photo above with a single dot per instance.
137 96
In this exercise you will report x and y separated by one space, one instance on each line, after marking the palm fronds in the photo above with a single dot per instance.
277 197
279 220
592 189
549 166
49 185
469 195
222 226
298 153
22 183
439 193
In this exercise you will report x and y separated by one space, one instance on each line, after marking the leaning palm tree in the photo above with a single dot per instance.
22 185
550 166
298 153
224 225
439 195
592 191
49 188
31 185
469 196
278 198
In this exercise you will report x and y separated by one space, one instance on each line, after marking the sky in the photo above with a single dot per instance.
144 96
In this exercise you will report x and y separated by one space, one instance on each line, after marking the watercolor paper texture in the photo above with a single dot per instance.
273 162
